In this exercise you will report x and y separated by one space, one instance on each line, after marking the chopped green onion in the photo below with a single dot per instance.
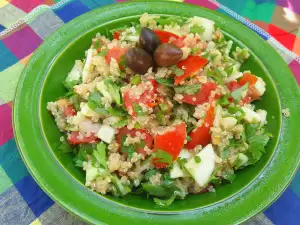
135 80
188 89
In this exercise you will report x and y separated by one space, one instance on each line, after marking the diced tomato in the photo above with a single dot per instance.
171 141
117 34
75 140
116 53
201 136
202 96
179 42
147 97
164 36
190 66
233 85
125 131
248 78
252 93
69 110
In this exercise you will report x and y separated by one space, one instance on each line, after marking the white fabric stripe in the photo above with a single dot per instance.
32 14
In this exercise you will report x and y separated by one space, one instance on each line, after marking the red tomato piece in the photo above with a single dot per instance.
202 96
69 110
190 66
171 141
164 36
125 131
117 34
75 140
116 53
201 136
233 85
179 42
248 78
147 97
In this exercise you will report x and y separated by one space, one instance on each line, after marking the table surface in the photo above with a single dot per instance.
24 25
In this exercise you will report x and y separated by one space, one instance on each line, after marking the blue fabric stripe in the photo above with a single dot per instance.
92 4
285 211
295 186
33 195
71 10
2 28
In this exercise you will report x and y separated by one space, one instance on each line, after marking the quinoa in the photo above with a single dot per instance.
286 112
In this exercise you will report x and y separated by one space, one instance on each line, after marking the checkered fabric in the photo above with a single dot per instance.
24 25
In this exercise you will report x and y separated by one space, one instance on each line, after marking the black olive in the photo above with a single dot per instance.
139 60
167 54
149 41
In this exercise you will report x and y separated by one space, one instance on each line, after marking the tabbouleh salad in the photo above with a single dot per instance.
161 108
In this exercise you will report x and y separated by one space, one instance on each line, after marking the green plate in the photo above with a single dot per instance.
255 188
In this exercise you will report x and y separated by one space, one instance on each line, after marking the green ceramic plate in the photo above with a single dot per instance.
255 187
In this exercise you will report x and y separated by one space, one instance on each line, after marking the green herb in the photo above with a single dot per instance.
65 147
103 52
188 89
169 82
141 144
94 103
115 111
167 180
215 181
122 189
229 70
135 80
76 99
181 162
172 20
164 107
197 29
197 159
217 76
160 116
137 125
257 139
223 101
70 85
127 149
188 138
225 153
121 123
195 50
189 129
138 109
97 44
163 157
238 93
100 154
150 173
114 90
238 112
229 176
83 151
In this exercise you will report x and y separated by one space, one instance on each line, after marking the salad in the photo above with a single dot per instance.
161 108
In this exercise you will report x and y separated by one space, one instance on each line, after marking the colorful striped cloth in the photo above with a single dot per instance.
24 25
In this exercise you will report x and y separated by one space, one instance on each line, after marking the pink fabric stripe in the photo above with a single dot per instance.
203 3
295 67
6 130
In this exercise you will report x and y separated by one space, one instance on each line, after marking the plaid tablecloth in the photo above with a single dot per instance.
25 24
